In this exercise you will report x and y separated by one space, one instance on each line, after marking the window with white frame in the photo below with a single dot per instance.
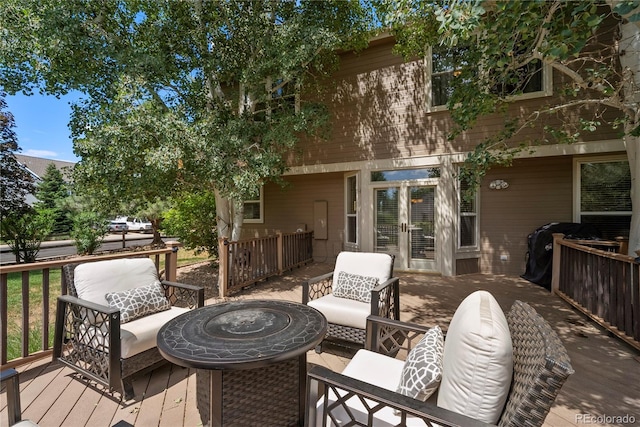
253 208
603 195
443 63
468 220
351 211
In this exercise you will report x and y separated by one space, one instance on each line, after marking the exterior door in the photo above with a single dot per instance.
405 225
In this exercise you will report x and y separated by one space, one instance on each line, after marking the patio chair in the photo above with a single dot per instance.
469 388
106 327
10 381
360 285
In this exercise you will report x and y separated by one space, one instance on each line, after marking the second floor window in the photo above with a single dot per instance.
444 64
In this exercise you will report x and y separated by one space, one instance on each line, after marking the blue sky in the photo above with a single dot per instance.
42 125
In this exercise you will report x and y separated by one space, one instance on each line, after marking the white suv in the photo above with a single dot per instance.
136 224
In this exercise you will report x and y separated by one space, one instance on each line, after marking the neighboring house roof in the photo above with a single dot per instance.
38 166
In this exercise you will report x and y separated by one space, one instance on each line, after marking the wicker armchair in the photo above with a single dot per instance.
347 317
540 367
90 336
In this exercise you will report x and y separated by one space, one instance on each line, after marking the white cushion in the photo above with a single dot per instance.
422 371
135 336
354 286
370 264
139 302
142 334
478 359
93 280
343 311
377 369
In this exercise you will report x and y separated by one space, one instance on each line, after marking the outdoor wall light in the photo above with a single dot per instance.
498 184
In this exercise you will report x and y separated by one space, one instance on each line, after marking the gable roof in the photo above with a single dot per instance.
38 166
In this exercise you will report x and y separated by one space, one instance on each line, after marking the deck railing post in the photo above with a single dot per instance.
223 266
280 251
555 266
171 261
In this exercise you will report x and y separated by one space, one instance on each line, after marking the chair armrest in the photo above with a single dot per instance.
389 336
321 381
191 296
385 299
316 287
99 308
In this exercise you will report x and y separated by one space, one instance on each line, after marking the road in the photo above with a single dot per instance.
60 248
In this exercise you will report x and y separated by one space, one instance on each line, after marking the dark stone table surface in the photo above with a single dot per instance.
241 334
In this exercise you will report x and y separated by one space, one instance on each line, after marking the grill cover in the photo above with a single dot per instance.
540 248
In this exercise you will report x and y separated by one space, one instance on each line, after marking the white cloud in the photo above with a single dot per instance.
41 153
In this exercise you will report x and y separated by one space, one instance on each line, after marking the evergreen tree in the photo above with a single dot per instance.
50 193
15 180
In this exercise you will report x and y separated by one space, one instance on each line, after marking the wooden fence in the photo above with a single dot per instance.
32 326
603 285
245 262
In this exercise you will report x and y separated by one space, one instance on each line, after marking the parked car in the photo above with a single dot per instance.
136 224
117 226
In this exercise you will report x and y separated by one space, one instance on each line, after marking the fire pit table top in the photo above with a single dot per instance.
241 334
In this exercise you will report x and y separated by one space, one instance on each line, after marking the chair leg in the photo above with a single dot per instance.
319 348
127 389
10 379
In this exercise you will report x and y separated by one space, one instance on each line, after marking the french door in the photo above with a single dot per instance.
405 225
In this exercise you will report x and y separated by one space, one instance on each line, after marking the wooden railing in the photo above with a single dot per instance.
34 331
603 285
245 262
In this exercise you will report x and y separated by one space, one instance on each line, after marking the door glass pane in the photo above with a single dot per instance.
386 237
352 216
467 231
422 225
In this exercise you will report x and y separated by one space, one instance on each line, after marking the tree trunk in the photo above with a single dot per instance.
229 218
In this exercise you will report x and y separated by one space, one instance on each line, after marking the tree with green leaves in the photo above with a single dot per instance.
89 229
16 182
181 95
193 220
497 47
51 192
25 231
154 212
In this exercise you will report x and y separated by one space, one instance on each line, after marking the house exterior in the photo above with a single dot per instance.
385 180
37 166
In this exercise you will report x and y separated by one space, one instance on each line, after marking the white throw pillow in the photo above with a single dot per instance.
354 286
422 369
478 360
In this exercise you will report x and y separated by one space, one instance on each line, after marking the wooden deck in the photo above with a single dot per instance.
606 382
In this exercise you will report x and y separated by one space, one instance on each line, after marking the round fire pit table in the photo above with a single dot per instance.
251 358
